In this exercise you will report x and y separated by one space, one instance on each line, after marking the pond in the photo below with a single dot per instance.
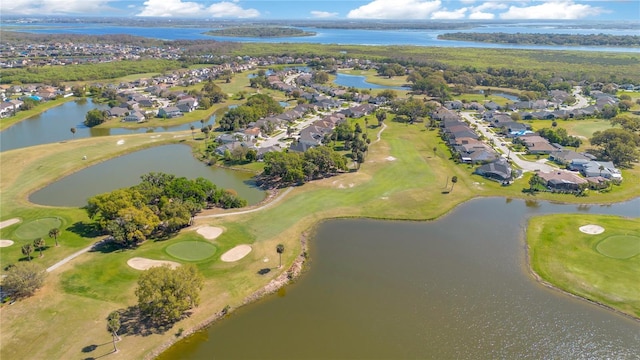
455 288
125 171
55 125
360 82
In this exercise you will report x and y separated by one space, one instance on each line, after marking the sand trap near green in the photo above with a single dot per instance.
209 232
4 224
191 250
591 229
619 246
37 228
236 253
5 243
139 263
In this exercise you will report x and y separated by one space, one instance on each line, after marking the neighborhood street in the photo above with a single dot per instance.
501 145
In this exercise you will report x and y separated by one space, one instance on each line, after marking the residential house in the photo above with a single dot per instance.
135 116
117 111
537 145
591 168
562 180
187 105
499 170
566 157
169 112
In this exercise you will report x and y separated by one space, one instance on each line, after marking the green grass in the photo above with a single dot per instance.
191 250
620 246
37 228
573 261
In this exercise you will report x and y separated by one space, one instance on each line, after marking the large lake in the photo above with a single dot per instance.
125 171
455 288
342 36
55 125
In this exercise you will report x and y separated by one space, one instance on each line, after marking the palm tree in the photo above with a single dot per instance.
27 249
73 132
601 167
39 244
280 250
454 180
54 233
113 325
192 134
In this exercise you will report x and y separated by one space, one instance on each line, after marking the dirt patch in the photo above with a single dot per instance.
9 222
592 229
139 263
209 232
6 243
236 253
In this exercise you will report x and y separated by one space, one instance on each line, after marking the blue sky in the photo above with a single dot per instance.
335 9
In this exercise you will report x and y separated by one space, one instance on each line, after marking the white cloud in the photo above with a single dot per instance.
396 9
490 5
323 14
231 10
467 1
54 7
179 8
449 15
552 10
478 15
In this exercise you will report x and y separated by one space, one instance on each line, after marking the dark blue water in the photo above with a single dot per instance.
360 82
341 36
54 125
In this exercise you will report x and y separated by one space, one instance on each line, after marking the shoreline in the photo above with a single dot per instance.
286 277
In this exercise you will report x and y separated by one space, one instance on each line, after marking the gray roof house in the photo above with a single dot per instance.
499 170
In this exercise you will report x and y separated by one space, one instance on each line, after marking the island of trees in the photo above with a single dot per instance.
260 32
546 39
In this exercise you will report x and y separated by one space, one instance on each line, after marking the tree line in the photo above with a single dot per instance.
260 32
256 107
546 39
290 168
159 205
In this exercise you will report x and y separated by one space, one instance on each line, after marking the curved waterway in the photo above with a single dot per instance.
125 171
54 125
455 288
360 82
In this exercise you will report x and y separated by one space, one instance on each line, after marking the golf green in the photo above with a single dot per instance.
38 228
619 246
191 250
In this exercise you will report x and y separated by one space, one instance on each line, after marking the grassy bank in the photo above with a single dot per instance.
40 108
603 268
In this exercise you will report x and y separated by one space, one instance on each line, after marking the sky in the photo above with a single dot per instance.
603 10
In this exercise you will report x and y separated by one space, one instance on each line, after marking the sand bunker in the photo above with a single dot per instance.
592 229
139 263
9 222
6 243
236 253
209 232
390 158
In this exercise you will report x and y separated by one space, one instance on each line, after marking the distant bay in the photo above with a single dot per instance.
340 36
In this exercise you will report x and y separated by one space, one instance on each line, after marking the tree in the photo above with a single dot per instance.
95 117
165 294
23 279
27 249
280 250
54 233
39 244
113 325
454 180
381 115
193 136
617 145
73 132
320 77
534 180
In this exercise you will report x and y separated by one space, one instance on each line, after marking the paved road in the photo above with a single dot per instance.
483 128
